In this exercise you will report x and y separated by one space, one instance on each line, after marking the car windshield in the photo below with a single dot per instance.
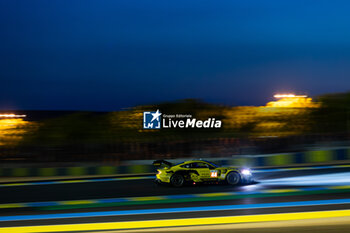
178 163
213 164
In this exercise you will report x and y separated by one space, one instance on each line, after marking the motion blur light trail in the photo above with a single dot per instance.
175 210
300 168
313 180
89 203
177 222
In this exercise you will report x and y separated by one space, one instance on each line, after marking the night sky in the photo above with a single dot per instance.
106 55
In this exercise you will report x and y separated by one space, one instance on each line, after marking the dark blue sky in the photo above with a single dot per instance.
107 55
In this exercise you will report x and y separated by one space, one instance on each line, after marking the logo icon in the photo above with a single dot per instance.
151 120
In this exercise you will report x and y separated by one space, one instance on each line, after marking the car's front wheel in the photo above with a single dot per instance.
233 178
177 180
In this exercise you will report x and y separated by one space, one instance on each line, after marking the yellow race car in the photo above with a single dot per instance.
199 171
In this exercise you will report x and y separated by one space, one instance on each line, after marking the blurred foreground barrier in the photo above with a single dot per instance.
301 158
315 157
76 171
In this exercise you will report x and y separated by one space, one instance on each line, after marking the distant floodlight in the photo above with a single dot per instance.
288 96
12 116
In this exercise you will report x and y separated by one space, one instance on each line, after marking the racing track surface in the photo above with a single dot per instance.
102 201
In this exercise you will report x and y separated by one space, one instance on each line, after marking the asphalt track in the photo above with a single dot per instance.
122 204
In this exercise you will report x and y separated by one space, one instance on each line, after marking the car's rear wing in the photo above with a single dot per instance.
160 163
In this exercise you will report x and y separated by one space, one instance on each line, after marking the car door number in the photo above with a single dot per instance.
213 173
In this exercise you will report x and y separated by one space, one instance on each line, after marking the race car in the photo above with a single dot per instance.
199 171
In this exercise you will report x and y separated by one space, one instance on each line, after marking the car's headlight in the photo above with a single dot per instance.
159 172
246 172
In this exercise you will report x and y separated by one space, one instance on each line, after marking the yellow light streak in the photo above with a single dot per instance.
11 115
177 222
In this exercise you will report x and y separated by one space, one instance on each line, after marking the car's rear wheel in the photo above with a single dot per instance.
233 178
177 180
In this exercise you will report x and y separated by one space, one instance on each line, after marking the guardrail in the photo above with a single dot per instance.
316 157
